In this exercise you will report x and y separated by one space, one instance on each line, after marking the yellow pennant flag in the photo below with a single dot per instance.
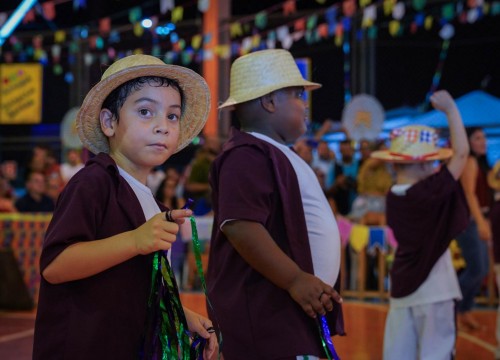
359 237
394 27
60 36
428 22
177 14
235 30
196 41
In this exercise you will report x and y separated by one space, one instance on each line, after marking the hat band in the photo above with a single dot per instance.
410 157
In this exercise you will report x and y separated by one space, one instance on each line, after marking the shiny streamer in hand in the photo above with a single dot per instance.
326 338
199 268
167 335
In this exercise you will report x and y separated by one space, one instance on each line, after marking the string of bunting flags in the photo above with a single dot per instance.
250 33
360 236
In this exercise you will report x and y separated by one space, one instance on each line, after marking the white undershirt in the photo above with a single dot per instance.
324 238
148 203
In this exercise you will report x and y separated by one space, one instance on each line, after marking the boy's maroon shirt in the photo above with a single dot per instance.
102 316
253 180
424 220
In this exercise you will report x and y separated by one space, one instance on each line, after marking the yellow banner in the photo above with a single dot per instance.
20 93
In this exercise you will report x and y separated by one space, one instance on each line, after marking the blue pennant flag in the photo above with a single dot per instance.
377 239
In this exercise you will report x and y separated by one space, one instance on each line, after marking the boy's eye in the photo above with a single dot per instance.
300 93
144 112
174 117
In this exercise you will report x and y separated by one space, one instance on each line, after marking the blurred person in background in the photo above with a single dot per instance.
166 194
6 195
344 188
197 186
35 199
474 240
72 164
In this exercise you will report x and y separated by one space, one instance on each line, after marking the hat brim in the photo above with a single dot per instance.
387 155
196 103
252 95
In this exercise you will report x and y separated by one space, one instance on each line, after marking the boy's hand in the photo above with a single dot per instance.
157 233
442 100
203 327
313 295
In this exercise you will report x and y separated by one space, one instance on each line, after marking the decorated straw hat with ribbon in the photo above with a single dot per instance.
411 144
262 72
195 92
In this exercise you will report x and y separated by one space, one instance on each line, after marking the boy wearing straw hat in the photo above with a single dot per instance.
275 249
97 257
426 209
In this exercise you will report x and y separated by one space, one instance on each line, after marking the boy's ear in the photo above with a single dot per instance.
107 123
268 102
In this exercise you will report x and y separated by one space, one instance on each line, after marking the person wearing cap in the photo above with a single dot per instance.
275 249
426 209
97 257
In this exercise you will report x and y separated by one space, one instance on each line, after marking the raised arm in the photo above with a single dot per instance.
442 100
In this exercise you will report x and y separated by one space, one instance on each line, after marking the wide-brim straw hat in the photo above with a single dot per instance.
413 144
195 108
262 72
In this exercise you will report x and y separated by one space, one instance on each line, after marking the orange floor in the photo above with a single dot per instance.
364 325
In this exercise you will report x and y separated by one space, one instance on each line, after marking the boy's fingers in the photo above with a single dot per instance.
334 295
180 214
177 216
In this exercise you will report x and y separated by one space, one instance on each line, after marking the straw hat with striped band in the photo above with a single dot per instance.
412 144
262 72
196 98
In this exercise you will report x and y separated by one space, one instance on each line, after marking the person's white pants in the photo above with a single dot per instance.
423 332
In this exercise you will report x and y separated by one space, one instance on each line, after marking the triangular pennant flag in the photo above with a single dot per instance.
235 30
391 240
104 26
299 24
369 16
166 5
60 36
377 240
177 14
345 227
349 7
312 21
29 17
261 19
3 18
196 41
203 5
49 10
289 7
323 30
135 14
359 237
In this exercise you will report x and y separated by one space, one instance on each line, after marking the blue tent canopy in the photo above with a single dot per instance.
477 108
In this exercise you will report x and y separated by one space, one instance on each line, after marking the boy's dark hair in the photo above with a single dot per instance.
117 97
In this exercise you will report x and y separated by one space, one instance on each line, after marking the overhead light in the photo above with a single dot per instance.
18 14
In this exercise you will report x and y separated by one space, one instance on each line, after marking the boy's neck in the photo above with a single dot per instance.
265 131
404 179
